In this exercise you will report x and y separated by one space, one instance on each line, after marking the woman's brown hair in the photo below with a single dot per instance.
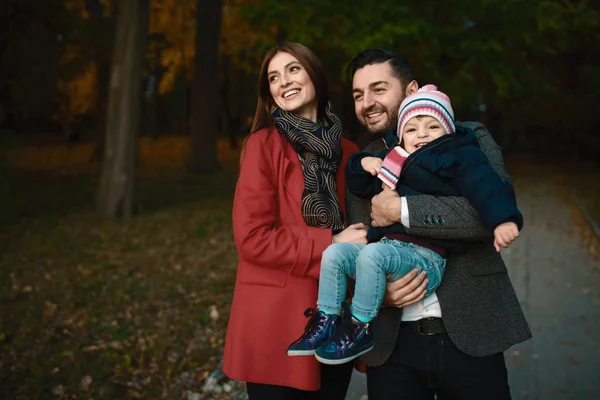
315 70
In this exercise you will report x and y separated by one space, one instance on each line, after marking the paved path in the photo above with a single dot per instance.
558 282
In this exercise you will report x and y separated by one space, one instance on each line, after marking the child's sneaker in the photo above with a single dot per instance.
350 341
318 330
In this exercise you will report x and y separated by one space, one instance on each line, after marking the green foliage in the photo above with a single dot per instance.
503 62
476 47
507 54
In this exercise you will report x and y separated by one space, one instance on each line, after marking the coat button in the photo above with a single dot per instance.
427 221
440 219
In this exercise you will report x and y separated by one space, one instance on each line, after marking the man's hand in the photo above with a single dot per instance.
407 290
386 208
505 234
371 165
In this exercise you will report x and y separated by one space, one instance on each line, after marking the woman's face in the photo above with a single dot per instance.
291 86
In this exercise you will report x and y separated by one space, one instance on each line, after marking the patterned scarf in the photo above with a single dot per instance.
392 166
320 150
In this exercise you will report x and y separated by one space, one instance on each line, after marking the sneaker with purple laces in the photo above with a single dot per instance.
320 328
352 340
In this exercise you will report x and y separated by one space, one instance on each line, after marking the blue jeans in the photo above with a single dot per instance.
369 265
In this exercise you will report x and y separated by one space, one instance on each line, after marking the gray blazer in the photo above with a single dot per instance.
480 309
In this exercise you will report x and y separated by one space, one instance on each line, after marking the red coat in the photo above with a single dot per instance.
279 265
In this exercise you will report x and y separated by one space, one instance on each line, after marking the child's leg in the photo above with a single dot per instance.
395 258
338 263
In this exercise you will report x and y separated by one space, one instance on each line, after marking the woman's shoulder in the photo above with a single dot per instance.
264 144
262 135
266 136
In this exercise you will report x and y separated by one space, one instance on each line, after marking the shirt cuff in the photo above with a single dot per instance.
404 218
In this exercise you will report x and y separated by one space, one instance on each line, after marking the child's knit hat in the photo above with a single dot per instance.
426 101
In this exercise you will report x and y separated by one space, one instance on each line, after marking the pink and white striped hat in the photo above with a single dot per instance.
426 101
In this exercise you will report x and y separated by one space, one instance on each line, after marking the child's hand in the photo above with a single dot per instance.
504 234
371 164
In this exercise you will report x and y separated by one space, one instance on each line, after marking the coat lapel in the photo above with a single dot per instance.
293 176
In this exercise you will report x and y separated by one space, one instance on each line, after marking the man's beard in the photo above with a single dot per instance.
391 123
381 132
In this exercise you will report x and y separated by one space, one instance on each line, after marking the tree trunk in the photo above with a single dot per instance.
102 58
103 82
229 124
205 89
116 189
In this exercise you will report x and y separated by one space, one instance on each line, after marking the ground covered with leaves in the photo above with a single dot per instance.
96 309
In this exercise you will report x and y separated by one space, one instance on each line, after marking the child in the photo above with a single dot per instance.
433 158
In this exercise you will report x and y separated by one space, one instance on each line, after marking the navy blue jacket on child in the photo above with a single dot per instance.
451 165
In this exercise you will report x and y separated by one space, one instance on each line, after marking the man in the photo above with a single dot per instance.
450 343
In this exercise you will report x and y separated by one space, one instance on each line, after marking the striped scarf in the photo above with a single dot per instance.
392 166
320 150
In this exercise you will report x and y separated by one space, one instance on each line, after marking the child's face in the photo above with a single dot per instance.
419 131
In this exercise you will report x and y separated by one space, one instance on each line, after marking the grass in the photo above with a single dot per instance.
103 309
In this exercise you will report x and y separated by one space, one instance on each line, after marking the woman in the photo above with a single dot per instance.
289 206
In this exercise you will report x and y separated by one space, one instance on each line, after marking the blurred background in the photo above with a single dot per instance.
121 123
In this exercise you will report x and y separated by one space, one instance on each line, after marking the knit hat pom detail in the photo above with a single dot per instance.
428 88
433 88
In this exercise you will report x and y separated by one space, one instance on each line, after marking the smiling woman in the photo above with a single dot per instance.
285 67
289 206
291 87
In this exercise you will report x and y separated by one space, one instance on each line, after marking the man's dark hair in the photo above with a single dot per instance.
400 67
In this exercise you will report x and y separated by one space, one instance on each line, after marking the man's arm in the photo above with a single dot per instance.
493 198
357 209
442 217
455 217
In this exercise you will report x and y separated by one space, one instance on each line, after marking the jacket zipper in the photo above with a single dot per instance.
416 153
385 144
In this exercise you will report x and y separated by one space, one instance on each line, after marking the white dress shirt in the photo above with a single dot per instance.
430 305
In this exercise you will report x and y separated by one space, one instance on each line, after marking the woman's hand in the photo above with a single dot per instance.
407 290
355 233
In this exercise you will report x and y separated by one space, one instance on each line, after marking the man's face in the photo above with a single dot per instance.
377 96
